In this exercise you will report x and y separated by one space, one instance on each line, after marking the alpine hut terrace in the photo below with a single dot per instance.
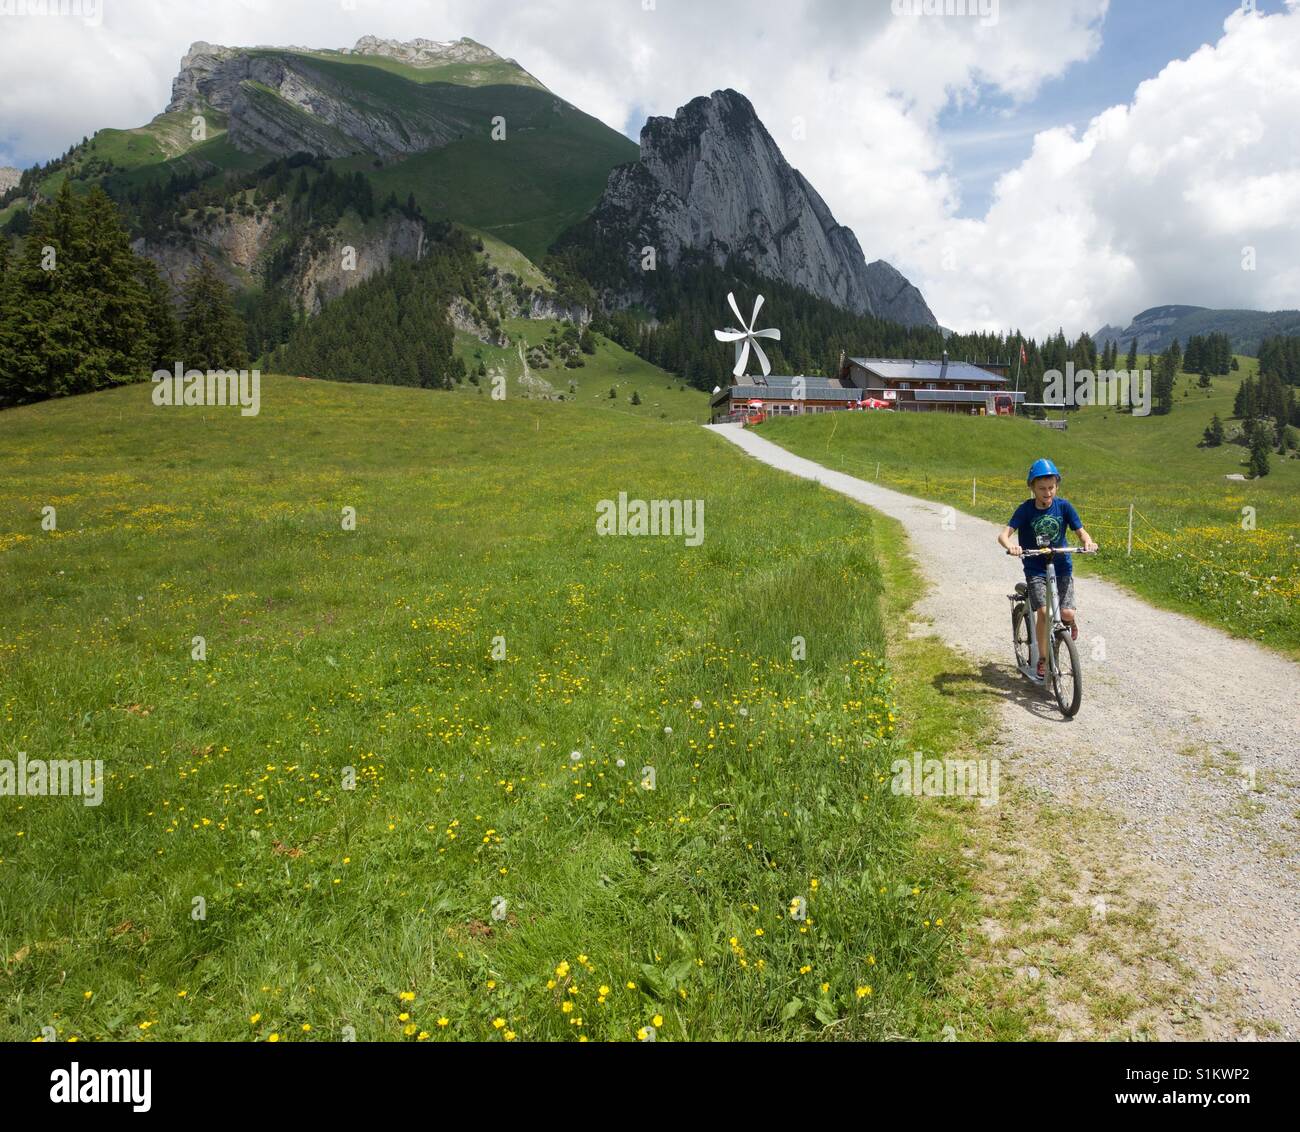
909 385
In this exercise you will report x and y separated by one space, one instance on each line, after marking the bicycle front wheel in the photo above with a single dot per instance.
1067 680
1020 630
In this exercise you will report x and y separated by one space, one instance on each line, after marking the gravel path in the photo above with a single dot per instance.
1176 719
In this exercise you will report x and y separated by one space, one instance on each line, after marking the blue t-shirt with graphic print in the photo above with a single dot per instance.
1051 522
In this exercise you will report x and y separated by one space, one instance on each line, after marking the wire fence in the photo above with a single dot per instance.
1127 525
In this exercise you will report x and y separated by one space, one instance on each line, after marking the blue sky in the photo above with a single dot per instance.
1139 37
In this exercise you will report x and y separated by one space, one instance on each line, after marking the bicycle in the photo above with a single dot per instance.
1063 672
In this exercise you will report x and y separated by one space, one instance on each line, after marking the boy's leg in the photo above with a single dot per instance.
1042 641
1067 606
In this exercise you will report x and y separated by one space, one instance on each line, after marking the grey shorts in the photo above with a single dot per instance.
1038 591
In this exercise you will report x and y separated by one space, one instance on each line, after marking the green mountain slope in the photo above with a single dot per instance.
418 131
1157 327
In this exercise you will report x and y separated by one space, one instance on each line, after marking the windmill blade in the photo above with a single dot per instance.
729 335
762 359
744 357
765 334
758 303
740 318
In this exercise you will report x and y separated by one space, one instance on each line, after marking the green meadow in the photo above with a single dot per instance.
464 769
1194 548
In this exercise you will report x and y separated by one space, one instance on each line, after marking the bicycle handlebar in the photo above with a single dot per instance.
1054 550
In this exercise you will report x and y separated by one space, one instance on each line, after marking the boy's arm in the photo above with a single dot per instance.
1084 536
1004 541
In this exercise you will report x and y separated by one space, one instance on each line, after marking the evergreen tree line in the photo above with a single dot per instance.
1266 397
673 326
1280 357
1270 414
813 331
80 311
28 179
1208 354
392 328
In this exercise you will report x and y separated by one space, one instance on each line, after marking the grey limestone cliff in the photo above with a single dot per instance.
712 179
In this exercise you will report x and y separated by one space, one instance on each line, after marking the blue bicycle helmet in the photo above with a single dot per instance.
1042 468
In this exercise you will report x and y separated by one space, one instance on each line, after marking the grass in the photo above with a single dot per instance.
231 886
663 397
463 74
507 259
1190 549
525 190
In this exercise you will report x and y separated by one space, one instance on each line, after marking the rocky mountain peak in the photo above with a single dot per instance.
711 178
425 52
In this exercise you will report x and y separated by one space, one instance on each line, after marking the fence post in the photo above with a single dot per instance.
972 491
1130 531
877 471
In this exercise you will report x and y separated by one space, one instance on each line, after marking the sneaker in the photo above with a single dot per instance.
1074 630
1042 669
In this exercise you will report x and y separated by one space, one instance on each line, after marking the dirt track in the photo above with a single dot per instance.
1177 717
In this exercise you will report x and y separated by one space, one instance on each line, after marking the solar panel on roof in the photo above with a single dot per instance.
894 370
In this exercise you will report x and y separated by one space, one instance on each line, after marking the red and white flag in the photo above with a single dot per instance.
1024 361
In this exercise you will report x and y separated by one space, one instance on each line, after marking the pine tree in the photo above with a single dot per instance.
1133 355
1214 433
160 316
1259 446
1164 382
6 316
77 308
211 333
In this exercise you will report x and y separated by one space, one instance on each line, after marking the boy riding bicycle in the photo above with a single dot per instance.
1042 521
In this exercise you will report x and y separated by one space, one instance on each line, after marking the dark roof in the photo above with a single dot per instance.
822 392
894 369
775 383
781 388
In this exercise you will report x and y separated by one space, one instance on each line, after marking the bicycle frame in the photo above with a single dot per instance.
1054 617
1053 611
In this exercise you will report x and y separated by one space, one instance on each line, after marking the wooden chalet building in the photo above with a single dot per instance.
906 385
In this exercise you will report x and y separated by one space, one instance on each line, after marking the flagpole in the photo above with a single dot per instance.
1019 356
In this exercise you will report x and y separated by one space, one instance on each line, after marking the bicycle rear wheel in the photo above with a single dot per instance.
1020 630
1067 680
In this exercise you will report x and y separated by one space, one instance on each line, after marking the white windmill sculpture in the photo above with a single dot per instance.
746 337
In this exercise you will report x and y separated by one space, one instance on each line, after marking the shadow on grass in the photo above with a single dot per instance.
1003 682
